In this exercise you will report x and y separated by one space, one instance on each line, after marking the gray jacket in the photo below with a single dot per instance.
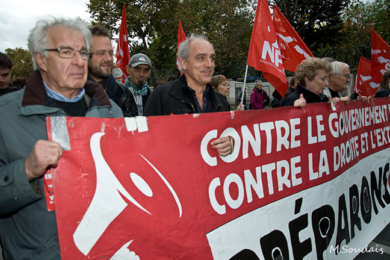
27 229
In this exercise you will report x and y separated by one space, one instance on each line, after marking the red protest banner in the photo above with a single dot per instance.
365 84
122 51
155 188
264 51
293 48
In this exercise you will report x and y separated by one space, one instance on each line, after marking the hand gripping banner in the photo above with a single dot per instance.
309 182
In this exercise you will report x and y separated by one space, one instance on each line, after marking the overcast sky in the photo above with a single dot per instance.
18 17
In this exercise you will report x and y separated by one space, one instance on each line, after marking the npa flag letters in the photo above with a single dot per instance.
122 50
309 183
181 37
365 84
380 57
293 49
264 50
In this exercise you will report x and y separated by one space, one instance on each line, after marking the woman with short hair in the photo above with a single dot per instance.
312 75
220 84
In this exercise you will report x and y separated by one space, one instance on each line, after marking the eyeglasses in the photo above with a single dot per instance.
225 84
69 53
347 76
102 52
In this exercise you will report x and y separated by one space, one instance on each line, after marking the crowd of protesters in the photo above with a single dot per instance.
73 77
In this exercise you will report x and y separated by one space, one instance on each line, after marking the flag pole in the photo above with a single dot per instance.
243 87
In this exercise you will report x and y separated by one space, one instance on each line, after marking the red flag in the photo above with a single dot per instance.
264 52
293 49
181 37
380 57
122 51
365 84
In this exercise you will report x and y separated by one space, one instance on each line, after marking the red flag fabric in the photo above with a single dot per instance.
181 37
122 51
292 47
364 84
380 57
264 52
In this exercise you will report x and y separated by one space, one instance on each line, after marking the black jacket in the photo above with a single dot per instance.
307 94
125 100
382 92
175 98
11 88
334 93
123 96
289 91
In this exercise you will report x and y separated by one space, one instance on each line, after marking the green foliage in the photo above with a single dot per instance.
355 41
336 28
340 29
105 13
153 25
381 14
318 22
21 61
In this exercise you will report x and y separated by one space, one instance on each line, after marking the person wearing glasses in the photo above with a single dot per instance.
339 79
220 84
57 87
100 70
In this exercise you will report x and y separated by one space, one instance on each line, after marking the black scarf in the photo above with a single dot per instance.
109 85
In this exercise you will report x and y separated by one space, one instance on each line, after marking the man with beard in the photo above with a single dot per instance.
139 69
100 70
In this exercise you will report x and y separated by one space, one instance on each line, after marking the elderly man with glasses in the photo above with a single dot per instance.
58 87
339 79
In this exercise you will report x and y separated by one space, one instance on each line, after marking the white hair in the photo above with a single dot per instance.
38 40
